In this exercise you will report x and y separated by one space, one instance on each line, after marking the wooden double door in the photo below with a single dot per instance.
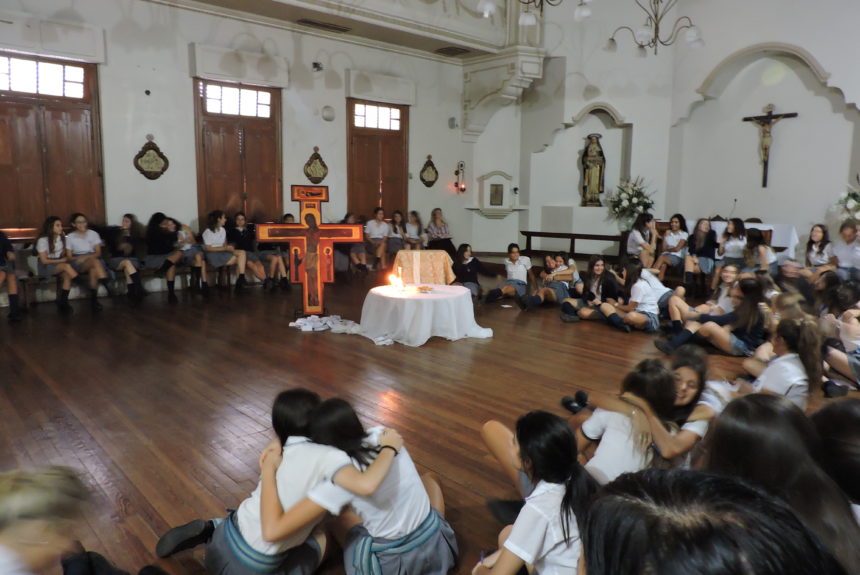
50 162
239 164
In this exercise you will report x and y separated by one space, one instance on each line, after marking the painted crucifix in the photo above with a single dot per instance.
765 124
311 244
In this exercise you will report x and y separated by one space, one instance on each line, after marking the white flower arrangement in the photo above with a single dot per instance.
631 199
849 202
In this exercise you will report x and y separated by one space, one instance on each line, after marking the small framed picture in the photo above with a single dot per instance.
497 194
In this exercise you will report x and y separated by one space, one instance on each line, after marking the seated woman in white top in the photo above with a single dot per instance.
541 460
218 252
376 233
86 248
624 443
641 310
758 255
54 259
642 241
847 252
819 252
414 232
674 246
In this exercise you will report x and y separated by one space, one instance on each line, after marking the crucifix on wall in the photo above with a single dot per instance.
311 244
765 124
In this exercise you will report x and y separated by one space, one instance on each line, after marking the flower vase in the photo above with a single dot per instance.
624 223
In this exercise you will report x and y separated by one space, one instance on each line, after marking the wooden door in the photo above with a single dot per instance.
21 175
260 159
378 154
72 175
238 146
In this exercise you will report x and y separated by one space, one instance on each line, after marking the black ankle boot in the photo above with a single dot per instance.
184 537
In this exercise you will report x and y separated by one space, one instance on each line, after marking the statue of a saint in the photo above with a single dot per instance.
593 167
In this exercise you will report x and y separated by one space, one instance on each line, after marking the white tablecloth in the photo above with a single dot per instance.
390 314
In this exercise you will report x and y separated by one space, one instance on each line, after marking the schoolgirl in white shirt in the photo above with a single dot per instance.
55 259
731 248
518 269
252 539
376 233
819 252
86 248
218 252
541 459
641 310
674 246
414 229
621 446
397 238
758 255
642 241
554 286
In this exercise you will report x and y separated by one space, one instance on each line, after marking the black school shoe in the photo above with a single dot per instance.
833 389
577 403
184 537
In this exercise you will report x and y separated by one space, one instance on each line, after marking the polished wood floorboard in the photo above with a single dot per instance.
165 408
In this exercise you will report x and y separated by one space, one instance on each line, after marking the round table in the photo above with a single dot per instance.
409 317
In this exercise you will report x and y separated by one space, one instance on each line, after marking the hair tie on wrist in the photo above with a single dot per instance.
391 447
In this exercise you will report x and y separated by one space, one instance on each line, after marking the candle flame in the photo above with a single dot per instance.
395 281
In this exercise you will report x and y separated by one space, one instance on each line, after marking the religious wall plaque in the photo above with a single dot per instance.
315 168
149 161
429 173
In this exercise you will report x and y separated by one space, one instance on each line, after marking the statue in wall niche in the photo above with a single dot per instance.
593 170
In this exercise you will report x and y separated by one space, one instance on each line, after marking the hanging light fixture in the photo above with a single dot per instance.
648 36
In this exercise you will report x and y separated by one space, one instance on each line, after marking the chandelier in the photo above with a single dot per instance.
649 35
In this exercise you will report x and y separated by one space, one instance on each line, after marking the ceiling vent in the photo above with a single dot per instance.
451 51
327 26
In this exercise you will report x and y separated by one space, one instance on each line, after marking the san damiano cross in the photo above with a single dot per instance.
311 245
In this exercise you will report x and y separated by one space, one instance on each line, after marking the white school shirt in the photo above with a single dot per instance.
820 259
847 255
215 239
771 256
305 464
617 451
644 296
83 245
786 376
10 564
655 283
413 232
183 245
377 230
734 247
54 254
717 395
634 241
396 508
724 300
672 239
518 270
537 536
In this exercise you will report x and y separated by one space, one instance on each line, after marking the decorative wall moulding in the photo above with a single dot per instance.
149 161
232 65
493 82
32 34
429 174
315 168
380 88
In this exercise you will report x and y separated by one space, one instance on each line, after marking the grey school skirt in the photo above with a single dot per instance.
435 556
218 259
252 256
155 261
187 258
113 263
47 270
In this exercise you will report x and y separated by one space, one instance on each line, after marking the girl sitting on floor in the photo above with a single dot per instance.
738 333
467 268
624 443
598 286
553 286
541 460
520 276
55 259
641 310
784 306
674 246
642 241
718 304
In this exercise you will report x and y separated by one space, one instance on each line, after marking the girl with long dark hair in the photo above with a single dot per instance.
767 440
541 458
732 243
398 233
243 236
219 253
819 252
123 244
414 231
701 251
642 241
55 259
674 246
641 310
738 333
597 286
161 252
467 268
86 247
758 255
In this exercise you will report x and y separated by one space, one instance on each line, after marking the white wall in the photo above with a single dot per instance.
809 158
147 49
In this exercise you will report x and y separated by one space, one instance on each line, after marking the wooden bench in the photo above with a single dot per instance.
620 239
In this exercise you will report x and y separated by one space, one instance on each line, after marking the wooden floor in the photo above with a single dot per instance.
165 408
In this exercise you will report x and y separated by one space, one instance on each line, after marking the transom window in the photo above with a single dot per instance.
379 117
236 100
32 76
